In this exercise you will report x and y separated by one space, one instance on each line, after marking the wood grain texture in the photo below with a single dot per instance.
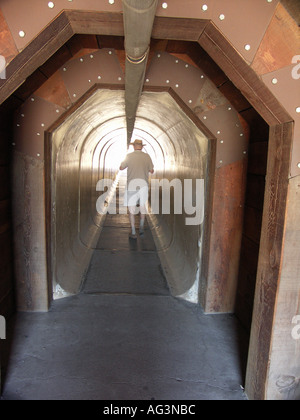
269 266
225 238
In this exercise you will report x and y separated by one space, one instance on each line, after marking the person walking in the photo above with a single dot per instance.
139 165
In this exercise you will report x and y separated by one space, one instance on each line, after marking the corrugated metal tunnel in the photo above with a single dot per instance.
88 148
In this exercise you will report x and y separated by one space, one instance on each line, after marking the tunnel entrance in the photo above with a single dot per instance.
261 187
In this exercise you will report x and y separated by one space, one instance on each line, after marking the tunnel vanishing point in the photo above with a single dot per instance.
212 89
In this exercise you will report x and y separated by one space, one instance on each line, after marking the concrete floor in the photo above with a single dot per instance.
124 337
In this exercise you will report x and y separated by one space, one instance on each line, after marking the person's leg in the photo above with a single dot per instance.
142 222
132 211
143 208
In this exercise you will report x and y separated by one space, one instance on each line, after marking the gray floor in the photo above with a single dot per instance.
124 337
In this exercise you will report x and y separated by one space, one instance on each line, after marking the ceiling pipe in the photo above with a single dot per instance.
138 18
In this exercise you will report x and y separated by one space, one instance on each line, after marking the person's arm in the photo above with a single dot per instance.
124 165
151 166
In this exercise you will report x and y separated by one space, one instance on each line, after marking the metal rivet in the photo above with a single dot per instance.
221 141
204 7
222 17
245 152
90 81
38 134
241 135
221 161
99 77
298 165
110 52
21 34
91 56
13 144
42 125
22 115
164 5
298 109
177 85
119 78
229 108
64 69
218 132
38 155
158 55
247 47
190 101
32 99
57 110
167 81
205 117
111 1
274 81
81 60
147 80
50 4
74 95
186 65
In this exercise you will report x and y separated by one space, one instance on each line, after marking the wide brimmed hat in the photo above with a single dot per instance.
138 143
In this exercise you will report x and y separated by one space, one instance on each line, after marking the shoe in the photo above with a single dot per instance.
132 236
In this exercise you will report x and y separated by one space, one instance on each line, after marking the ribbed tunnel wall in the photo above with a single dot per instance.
81 158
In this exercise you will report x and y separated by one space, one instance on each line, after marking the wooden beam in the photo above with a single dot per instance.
243 77
96 23
269 265
182 29
35 54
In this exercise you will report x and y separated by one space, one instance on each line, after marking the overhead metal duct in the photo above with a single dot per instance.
138 17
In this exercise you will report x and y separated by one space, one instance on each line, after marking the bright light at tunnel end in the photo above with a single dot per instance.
188 197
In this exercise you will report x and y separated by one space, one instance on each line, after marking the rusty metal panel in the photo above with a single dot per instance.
243 22
185 79
284 84
201 95
276 51
7 45
232 141
32 16
80 74
31 121
54 90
